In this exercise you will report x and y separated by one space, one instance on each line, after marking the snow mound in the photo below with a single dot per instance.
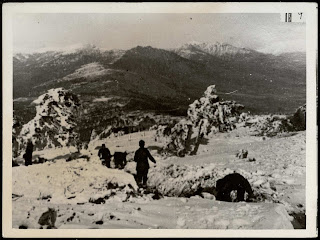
183 181
76 182
188 180
268 125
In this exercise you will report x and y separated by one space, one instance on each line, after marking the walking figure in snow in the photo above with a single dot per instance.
141 157
28 155
232 182
105 155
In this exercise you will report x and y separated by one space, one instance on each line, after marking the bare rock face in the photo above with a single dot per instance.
55 122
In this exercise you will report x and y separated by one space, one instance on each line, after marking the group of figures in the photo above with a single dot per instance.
141 157
224 186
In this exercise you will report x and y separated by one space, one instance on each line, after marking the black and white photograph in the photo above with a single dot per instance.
155 120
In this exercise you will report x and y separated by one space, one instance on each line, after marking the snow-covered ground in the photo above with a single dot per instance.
87 195
166 213
90 70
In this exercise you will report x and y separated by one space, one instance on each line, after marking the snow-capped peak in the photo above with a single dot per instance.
216 49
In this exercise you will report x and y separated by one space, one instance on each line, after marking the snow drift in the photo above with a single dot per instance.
79 181
185 181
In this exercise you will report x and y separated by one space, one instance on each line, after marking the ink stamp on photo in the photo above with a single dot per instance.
298 17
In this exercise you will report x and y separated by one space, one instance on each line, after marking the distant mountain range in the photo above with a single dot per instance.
148 79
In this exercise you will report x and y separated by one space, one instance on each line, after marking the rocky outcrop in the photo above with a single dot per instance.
269 125
299 118
272 125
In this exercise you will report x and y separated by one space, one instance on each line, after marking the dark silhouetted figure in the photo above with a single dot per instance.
105 155
120 159
28 155
231 182
141 157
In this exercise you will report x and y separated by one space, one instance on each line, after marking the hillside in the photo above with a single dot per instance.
87 195
114 83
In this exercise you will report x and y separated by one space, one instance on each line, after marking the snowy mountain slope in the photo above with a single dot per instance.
216 49
157 80
278 172
186 77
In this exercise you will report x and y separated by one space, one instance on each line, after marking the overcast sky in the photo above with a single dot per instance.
52 31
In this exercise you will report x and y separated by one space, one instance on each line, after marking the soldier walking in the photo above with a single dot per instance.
141 156
28 155
105 155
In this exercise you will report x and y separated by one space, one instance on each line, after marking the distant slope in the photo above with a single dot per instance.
265 83
165 81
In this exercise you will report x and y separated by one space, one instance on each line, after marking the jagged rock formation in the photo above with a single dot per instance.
55 122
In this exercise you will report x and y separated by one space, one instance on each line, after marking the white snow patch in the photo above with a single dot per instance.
90 70
77 181
102 99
